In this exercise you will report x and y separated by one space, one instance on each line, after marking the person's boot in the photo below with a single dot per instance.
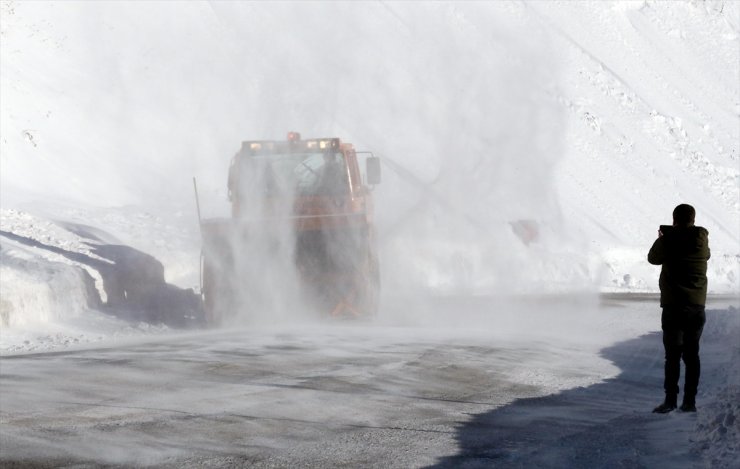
688 404
668 405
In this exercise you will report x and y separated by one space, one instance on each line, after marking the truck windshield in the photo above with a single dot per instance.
296 173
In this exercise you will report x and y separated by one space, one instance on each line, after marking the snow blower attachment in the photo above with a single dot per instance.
302 218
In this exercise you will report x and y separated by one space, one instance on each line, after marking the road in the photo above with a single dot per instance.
333 395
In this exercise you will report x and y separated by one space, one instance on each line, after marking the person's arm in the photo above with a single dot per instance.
656 256
709 252
702 251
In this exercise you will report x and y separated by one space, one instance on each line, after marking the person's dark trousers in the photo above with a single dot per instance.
682 327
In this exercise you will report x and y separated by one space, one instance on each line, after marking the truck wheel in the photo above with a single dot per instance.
369 300
215 291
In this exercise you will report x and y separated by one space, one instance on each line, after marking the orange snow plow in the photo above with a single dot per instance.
302 217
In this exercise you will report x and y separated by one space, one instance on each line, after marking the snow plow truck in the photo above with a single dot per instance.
301 218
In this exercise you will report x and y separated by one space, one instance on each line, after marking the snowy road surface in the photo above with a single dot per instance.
353 395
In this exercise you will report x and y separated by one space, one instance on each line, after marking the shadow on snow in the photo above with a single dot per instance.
609 424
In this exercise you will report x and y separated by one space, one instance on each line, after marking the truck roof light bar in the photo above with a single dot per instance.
294 143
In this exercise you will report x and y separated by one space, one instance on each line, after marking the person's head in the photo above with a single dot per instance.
684 215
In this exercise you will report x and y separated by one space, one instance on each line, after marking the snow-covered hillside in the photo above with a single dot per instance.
653 104
593 120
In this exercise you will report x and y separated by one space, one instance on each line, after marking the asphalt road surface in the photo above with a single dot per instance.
347 395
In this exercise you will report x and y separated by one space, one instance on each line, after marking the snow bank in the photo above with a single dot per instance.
36 291
39 284
717 432
53 286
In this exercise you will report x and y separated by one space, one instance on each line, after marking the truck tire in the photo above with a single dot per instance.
215 291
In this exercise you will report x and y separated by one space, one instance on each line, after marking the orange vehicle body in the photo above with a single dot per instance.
308 194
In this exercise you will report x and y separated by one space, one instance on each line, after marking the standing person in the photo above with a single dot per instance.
682 250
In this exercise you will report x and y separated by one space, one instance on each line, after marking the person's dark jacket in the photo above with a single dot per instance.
683 252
